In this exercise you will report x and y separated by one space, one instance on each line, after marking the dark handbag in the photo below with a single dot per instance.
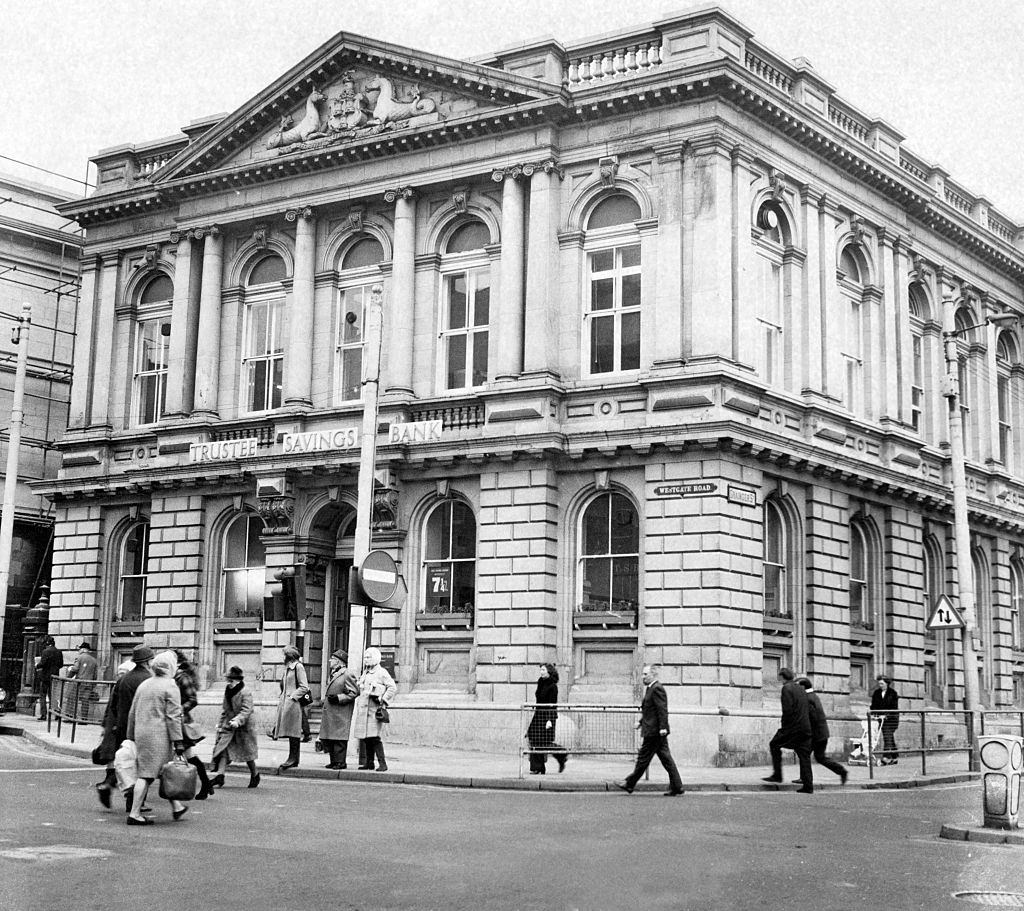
306 699
382 714
178 780
103 754
191 731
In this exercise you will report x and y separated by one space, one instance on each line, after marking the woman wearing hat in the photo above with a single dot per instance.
294 688
185 678
236 731
120 707
376 689
154 723
339 696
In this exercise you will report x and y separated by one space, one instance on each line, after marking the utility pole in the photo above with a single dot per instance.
360 616
20 338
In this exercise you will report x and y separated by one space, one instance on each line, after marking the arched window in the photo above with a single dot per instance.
919 314
1017 604
449 564
359 273
131 585
773 283
933 577
1007 358
611 309
244 568
263 354
853 276
865 592
862 611
964 324
776 600
609 556
466 307
152 341
983 615
782 626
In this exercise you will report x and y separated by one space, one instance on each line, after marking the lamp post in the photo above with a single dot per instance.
961 526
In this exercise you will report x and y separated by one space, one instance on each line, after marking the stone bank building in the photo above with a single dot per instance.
677 306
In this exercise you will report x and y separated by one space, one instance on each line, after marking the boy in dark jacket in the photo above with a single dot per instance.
819 731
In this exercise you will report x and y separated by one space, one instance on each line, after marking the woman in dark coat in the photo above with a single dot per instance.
336 720
886 701
541 731
236 731
294 688
185 677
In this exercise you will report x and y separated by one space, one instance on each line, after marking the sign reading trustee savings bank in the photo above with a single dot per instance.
291 443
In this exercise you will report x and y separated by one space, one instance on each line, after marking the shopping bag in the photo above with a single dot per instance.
178 780
126 765
104 752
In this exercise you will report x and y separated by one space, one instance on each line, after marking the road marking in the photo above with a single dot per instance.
77 768
55 852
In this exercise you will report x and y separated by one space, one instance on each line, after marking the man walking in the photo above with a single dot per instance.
795 733
119 708
654 731
819 731
48 666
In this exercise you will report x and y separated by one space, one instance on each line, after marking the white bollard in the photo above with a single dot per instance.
1001 760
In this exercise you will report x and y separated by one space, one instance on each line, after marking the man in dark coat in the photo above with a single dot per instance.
50 661
820 731
654 731
795 733
85 668
118 710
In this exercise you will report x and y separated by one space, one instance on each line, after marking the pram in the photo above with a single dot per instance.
859 745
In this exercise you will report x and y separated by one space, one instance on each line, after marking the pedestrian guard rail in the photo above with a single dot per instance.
579 729
930 732
76 702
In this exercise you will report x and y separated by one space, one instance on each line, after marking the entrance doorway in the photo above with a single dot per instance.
341 610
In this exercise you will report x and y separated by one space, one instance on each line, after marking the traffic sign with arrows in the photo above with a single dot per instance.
944 615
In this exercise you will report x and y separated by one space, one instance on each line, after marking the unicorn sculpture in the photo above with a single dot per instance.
389 109
308 128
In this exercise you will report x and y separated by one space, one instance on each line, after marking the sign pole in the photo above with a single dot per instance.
360 616
13 447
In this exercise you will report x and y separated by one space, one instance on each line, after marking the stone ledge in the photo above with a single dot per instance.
983 836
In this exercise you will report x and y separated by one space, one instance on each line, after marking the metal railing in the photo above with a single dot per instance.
931 728
581 730
77 702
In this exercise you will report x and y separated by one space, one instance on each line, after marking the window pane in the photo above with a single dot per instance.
618 209
256 585
439 533
602 294
269 269
629 256
257 385
133 597
482 299
439 588
595 526
277 319
631 290
257 342
857 603
351 319
471 236
625 583
148 389
856 553
351 374
480 358
135 548
457 301
456 362
602 261
772 535
630 341
160 289
463 532
602 345
365 252
463 586
277 381
625 528
597 593
234 544
773 591
235 592
255 552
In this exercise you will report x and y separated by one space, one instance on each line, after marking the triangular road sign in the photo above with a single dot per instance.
944 615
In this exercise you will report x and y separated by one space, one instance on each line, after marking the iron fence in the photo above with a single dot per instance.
933 731
581 730
77 702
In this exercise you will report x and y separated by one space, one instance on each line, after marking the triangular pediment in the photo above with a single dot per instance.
349 90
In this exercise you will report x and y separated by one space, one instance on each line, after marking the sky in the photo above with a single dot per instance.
81 76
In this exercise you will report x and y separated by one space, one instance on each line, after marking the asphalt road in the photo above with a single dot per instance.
293 845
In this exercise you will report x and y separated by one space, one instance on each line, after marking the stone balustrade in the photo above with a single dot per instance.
848 122
615 63
770 74
149 166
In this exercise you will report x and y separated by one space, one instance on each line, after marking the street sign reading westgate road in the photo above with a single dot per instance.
700 489
944 615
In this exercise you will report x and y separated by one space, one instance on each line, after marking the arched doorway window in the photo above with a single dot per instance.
772 236
152 342
465 307
265 321
359 273
449 565
243 573
131 597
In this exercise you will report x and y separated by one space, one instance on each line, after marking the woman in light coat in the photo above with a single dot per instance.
154 723
336 720
376 689
289 710
236 731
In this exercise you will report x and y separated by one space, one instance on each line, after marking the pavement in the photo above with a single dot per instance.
461 768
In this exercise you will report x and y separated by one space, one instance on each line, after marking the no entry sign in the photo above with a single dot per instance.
378 575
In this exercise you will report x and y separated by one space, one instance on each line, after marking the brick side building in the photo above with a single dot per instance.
677 307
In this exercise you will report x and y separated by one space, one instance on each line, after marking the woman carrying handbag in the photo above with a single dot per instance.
376 690
185 677
295 693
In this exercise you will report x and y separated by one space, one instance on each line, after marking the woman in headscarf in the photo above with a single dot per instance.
336 720
185 677
541 731
886 702
376 690
236 731
294 687
108 743
154 723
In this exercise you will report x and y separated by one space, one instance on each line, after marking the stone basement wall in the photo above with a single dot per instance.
76 586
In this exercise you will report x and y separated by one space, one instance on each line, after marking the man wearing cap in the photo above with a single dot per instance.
336 719
48 666
120 707
84 669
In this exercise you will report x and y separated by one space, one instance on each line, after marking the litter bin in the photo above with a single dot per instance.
1001 760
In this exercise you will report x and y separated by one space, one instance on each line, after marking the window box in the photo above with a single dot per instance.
603 619
237 625
127 629
444 621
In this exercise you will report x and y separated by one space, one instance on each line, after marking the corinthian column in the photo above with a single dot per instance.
541 328
81 385
403 285
509 340
208 348
299 357
181 354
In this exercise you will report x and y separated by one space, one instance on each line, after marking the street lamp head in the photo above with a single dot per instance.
1004 320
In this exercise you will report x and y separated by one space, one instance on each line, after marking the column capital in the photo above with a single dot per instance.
177 236
207 231
809 195
547 165
887 237
306 213
741 155
399 193
827 205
